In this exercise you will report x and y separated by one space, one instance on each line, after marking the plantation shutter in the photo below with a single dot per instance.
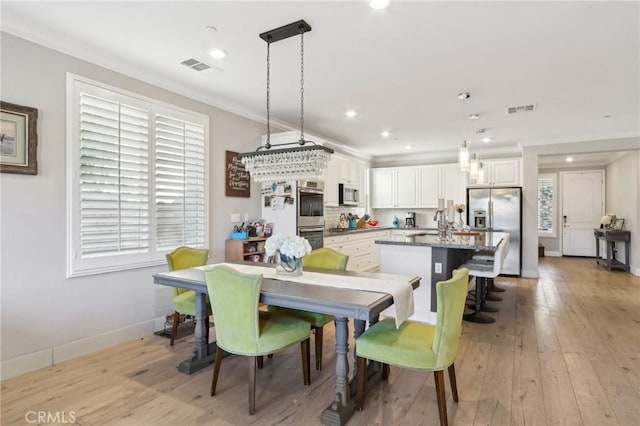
545 204
114 177
179 183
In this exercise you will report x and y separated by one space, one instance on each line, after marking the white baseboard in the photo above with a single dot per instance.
51 356
635 271
26 363
529 273
553 253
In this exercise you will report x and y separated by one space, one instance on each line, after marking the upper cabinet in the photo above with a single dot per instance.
348 171
440 181
417 186
503 172
330 178
393 187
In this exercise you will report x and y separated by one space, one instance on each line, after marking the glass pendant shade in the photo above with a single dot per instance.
481 172
463 156
473 166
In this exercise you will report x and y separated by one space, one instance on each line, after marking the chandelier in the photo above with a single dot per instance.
296 160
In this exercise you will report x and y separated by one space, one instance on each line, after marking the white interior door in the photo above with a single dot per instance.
582 208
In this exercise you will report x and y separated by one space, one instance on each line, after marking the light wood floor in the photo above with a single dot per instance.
565 350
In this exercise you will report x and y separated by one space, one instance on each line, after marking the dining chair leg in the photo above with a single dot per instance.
174 327
206 328
318 341
442 399
361 383
386 370
216 371
452 380
306 368
252 384
260 361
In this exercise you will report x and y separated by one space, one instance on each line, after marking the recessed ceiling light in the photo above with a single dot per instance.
408 147
569 159
378 4
385 134
474 116
218 53
486 139
351 113
480 131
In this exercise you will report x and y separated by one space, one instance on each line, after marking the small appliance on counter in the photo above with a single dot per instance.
395 222
410 220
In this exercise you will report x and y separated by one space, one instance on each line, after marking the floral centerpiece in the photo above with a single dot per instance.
289 251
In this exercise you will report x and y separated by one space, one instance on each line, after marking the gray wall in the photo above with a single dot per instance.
46 317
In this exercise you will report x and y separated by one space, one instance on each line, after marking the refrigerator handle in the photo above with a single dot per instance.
491 215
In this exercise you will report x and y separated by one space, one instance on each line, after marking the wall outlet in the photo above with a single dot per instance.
246 217
235 217
438 268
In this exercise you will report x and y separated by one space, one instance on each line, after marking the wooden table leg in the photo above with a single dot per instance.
342 408
204 353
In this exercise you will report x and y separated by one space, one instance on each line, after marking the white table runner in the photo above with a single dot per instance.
397 286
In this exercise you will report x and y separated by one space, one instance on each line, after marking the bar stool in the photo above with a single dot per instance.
482 271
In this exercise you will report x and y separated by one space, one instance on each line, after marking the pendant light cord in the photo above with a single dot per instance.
268 144
302 141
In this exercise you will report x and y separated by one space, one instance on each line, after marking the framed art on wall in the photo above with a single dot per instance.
18 139
237 179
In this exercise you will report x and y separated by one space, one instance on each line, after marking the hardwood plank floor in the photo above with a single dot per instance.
564 350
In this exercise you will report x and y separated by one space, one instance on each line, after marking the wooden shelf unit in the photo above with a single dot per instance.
240 250
611 237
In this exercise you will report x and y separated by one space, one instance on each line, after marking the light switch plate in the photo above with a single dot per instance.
235 217
438 268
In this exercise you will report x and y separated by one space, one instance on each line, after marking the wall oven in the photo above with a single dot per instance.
313 234
310 204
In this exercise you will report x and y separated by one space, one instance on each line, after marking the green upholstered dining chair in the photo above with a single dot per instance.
322 258
242 330
416 345
184 301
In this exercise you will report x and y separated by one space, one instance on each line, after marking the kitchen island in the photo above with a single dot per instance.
432 259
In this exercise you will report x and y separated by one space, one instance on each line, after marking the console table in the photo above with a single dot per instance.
610 237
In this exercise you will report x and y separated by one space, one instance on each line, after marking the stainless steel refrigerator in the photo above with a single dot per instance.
499 209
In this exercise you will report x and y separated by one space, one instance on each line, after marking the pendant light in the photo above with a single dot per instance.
296 160
463 151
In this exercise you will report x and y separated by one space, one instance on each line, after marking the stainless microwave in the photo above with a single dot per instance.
347 195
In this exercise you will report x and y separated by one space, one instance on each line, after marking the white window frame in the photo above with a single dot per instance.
554 225
77 266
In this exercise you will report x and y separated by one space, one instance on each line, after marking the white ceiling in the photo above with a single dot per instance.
400 68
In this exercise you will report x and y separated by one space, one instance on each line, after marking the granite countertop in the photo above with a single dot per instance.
336 232
484 241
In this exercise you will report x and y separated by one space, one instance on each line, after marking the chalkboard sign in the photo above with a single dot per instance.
237 181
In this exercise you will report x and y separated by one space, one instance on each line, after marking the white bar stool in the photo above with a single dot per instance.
482 270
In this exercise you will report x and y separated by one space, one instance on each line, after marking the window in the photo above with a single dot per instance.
546 205
136 181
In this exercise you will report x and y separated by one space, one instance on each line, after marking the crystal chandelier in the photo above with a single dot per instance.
300 159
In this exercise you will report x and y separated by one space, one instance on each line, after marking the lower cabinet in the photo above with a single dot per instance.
240 250
363 252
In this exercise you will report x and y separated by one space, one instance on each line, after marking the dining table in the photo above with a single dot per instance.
338 297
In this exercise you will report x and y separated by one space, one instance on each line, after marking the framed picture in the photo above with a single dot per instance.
237 179
18 139
618 225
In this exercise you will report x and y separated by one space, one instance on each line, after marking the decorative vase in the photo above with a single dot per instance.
290 265
460 223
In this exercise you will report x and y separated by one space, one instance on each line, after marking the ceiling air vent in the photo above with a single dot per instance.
521 108
195 64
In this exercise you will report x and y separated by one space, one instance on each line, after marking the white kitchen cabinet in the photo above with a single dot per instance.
453 184
360 246
503 172
348 171
440 181
394 187
330 176
429 186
